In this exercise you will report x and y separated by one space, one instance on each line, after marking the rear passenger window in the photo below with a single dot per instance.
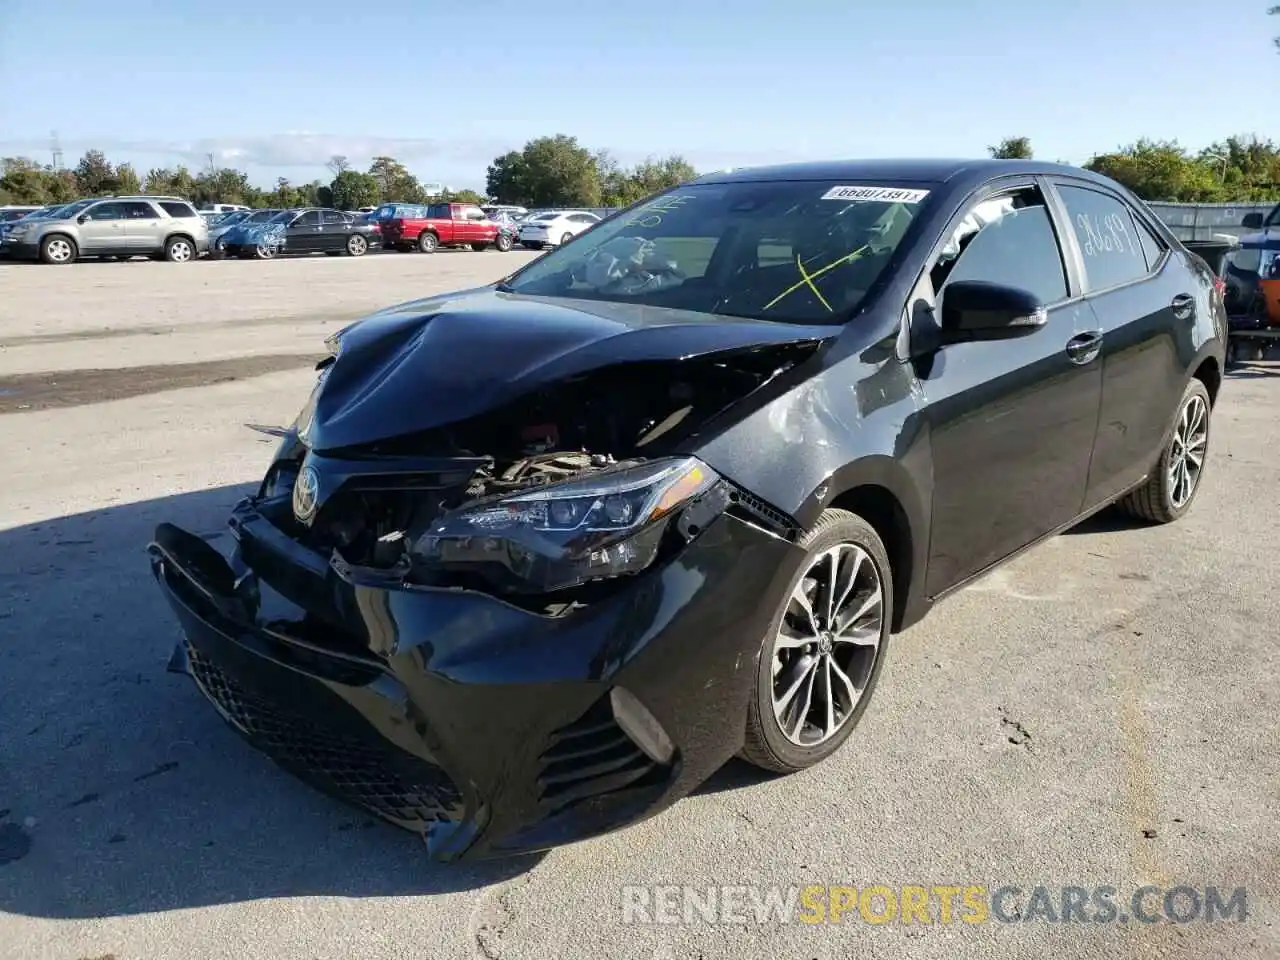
175 209
1108 237
1152 247
138 210
332 217
1009 240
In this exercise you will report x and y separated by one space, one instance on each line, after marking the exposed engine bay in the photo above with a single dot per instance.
608 422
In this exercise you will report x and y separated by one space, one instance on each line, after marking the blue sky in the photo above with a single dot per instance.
277 87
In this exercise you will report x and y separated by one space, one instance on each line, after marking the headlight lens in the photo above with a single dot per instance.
565 534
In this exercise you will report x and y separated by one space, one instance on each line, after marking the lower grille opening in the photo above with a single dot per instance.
360 769
593 757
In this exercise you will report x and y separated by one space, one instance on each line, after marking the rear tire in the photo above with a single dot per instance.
58 250
357 245
837 649
428 242
1169 492
179 250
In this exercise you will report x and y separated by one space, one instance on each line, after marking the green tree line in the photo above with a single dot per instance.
559 171
1234 170
22 180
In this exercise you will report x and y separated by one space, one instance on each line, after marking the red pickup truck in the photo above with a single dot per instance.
443 225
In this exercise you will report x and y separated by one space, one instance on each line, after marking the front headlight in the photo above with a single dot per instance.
564 534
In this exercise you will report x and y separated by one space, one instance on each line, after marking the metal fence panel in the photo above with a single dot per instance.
1200 221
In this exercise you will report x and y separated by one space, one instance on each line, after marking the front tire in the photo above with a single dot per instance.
357 245
1171 489
58 250
503 243
818 665
565 239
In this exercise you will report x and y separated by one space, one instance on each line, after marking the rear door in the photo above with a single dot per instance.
1143 303
144 229
334 230
1011 422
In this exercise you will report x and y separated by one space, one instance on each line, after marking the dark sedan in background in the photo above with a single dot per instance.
536 559
305 230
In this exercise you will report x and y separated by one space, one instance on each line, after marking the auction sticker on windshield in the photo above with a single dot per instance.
883 194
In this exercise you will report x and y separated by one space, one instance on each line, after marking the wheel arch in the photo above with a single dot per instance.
881 491
1209 372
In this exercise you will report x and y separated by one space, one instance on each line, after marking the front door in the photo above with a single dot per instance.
103 231
1011 422
1142 301
303 235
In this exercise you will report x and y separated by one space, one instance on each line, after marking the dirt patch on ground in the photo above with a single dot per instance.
76 388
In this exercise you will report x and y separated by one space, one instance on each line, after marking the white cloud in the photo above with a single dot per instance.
296 149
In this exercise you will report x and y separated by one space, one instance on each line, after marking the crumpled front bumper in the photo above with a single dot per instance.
485 728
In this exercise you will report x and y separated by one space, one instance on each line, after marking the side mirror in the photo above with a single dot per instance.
83 218
977 310
1252 221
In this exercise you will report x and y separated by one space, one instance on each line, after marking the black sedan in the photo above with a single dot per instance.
308 230
536 559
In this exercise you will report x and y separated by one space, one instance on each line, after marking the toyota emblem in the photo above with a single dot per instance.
306 494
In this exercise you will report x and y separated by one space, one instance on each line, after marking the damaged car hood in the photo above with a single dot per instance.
433 362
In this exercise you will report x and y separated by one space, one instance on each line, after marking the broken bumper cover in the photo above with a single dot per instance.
485 728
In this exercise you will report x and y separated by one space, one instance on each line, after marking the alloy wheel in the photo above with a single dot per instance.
1189 445
59 250
827 644
180 251
357 245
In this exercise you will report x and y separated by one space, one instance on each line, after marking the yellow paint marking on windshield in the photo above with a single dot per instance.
812 286
808 278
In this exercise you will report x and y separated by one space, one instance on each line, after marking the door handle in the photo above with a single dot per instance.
1084 347
1184 306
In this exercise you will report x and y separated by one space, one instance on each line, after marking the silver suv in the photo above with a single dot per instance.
167 227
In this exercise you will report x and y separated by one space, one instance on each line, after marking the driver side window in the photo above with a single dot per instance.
1007 239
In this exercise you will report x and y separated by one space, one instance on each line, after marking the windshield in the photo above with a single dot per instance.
1273 218
797 251
232 218
284 216
261 216
70 210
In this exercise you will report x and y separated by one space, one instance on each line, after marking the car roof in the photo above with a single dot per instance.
917 169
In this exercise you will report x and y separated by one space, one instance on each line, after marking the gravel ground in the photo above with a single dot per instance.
1103 711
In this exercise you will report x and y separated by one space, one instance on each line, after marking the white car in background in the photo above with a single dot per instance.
552 229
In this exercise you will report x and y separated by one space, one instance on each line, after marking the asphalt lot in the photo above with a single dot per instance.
1102 711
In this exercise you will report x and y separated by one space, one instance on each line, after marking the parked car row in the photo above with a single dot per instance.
302 230
172 228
